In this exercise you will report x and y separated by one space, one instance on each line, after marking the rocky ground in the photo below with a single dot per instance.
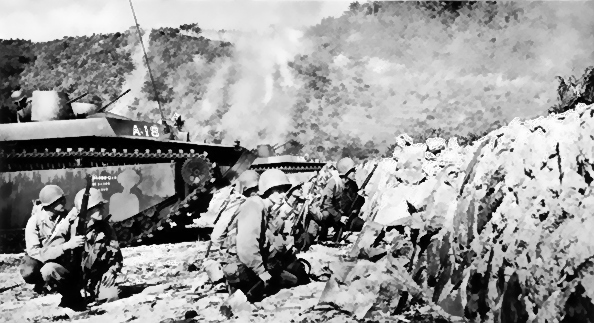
158 287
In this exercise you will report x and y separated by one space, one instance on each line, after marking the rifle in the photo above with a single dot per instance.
351 209
81 229
303 213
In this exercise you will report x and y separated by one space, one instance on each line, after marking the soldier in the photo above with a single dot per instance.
337 198
247 187
40 260
102 258
263 264
292 220
23 106
346 169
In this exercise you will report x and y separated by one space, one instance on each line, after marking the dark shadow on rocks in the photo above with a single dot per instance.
579 308
128 291
175 235
4 289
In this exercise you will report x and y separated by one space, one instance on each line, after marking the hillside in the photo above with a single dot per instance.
347 85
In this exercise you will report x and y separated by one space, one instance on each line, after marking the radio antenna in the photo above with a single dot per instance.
147 62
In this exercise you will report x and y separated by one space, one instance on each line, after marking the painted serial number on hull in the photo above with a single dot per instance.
152 131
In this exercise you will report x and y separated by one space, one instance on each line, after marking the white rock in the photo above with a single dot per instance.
435 144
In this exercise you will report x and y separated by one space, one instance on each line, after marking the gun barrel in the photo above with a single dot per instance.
77 98
110 103
277 146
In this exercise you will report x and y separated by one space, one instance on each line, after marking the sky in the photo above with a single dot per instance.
45 20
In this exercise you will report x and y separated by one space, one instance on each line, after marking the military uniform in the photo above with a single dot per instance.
329 212
40 258
101 262
24 106
262 254
102 257
222 233
24 114
350 193
337 197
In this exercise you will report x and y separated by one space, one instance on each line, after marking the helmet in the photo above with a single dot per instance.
294 188
17 96
345 165
272 178
249 179
49 194
95 198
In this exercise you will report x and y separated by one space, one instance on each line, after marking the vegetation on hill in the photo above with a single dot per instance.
347 86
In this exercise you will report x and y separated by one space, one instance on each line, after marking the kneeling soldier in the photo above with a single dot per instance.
263 264
102 258
42 262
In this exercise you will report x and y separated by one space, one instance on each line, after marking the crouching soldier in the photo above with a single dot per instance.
263 264
102 258
293 219
42 261
352 202
222 238
222 233
337 197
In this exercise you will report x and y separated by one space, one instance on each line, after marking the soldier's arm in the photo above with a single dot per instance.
217 235
54 247
249 229
113 248
328 209
33 245
221 228
354 195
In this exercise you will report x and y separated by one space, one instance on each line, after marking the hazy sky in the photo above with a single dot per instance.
43 20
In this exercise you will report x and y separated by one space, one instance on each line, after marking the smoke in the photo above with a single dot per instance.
246 97
399 72
260 86
135 80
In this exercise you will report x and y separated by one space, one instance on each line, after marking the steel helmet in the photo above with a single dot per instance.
17 96
49 194
345 165
248 179
272 178
95 198
294 188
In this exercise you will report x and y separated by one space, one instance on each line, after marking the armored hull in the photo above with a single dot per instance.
267 159
134 164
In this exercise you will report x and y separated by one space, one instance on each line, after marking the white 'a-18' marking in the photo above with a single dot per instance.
154 131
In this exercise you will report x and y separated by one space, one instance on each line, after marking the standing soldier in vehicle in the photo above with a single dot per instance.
263 265
102 260
41 261
337 197
23 106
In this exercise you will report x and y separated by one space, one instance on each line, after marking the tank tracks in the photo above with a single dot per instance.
289 168
139 228
163 216
70 158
